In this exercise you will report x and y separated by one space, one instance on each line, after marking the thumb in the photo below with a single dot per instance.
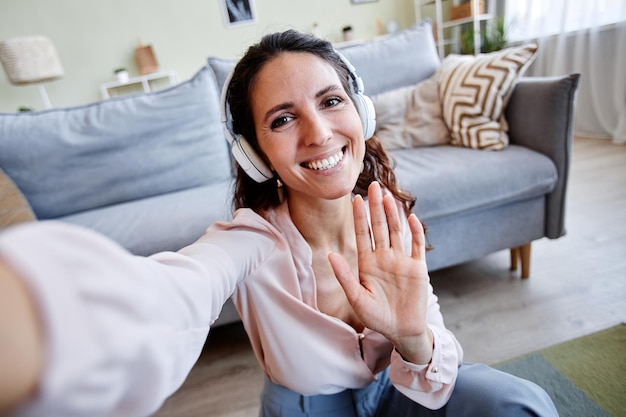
350 284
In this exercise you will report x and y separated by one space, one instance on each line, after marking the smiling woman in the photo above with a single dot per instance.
330 281
340 94
339 348
300 133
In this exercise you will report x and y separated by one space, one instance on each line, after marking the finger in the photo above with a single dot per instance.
361 226
350 284
418 247
380 230
393 222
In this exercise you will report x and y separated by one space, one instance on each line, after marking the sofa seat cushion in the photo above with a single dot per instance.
166 222
69 160
448 179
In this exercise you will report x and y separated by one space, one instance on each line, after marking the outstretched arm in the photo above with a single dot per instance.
21 341
86 328
391 293
89 317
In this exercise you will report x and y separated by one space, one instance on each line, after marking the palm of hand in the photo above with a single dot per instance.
393 298
391 294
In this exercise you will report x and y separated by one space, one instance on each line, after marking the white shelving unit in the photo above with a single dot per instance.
147 83
441 24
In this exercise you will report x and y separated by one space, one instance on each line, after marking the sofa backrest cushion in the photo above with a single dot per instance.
221 69
399 60
74 159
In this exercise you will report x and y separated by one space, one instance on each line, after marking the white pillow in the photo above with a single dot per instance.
410 116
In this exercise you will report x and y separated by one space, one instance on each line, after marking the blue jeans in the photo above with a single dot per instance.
480 391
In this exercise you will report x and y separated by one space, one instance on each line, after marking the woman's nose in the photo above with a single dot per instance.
316 129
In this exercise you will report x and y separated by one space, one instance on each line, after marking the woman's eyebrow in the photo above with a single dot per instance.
326 90
277 108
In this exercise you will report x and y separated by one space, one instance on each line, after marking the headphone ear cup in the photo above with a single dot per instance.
365 107
244 154
250 161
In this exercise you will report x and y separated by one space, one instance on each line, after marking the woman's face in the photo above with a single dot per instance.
307 126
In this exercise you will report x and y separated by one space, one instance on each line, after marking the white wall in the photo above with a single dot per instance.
93 37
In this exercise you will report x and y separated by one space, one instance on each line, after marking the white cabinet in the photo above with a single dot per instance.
443 25
146 83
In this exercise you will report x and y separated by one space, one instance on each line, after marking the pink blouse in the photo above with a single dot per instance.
310 352
122 332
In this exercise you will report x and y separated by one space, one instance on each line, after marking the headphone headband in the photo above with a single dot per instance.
251 162
355 80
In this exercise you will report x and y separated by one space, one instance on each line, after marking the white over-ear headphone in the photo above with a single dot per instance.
249 159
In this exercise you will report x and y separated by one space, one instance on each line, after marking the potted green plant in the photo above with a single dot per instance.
121 74
493 37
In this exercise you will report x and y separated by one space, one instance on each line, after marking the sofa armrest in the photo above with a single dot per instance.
540 115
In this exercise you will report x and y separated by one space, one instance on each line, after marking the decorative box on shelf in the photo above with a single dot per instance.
466 9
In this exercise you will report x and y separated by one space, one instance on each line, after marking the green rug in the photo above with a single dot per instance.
586 377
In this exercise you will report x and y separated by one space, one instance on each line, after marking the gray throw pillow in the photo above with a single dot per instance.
127 148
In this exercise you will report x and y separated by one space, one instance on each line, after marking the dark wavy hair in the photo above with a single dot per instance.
378 165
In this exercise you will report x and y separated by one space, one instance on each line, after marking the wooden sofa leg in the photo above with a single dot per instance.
524 252
514 257
521 253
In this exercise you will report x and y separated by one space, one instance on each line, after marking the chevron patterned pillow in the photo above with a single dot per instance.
474 91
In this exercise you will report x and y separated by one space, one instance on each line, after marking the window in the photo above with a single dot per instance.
530 19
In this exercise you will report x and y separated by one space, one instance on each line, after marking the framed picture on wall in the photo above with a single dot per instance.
363 1
238 12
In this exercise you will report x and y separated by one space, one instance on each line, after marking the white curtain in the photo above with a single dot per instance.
580 36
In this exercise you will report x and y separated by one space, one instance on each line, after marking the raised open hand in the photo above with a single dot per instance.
390 295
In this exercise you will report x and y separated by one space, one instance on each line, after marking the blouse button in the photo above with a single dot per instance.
435 370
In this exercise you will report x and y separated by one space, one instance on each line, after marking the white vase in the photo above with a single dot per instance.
122 76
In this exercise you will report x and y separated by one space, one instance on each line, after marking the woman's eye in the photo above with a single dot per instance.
280 121
332 101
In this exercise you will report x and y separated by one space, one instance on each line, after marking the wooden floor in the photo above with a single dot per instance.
577 286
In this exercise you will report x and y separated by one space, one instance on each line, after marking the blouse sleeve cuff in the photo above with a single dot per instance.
443 367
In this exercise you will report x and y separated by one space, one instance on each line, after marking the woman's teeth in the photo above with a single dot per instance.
327 163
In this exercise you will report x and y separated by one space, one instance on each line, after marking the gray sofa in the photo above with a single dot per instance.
152 171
